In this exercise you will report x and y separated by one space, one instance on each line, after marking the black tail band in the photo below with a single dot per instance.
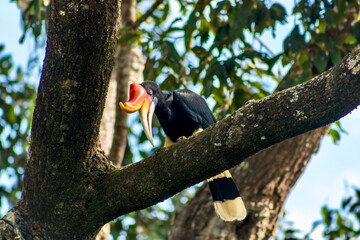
223 189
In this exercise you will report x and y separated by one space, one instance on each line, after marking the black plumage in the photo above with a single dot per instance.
181 112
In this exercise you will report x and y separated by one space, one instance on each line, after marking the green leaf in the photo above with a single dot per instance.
271 62
345 202
326 215
5 64
241 95
170 51
219 95
357 191
170 83
355 30
302 58
37 8
294 41
278 13
341 4
171 56
229 66
339 219
189 28
355 207
322 26
337 123
350 39
208 88
221 73
116 227
223 34
335 135
321 61
211 70
128 37
335 56
204 36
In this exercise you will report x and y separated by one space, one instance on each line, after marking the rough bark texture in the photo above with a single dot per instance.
70 187
252 128
63 157
264 180
186 224
295 152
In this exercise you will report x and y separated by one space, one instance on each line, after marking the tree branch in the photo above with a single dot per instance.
141 19
264 181
257 125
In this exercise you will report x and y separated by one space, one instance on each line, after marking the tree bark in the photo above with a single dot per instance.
264 180
294 152
256 126
98 198
70 187
63 157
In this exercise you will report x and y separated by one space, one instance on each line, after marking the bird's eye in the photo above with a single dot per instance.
150 92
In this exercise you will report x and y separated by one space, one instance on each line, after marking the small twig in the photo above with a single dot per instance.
263 45
141 19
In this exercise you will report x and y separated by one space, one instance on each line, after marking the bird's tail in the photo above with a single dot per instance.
228 203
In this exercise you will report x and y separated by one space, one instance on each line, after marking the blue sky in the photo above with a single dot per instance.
328 175
10 33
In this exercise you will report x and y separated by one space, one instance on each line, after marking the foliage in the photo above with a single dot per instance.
17 96
16 107
341 223
217 48
34 16
210 44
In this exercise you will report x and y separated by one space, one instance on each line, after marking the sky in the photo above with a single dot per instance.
331 173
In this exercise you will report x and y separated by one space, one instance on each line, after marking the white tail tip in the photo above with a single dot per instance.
231 210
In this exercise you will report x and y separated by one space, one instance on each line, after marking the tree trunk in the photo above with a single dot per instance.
128 67
70 188
64 156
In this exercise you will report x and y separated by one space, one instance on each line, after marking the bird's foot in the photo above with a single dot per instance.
181 138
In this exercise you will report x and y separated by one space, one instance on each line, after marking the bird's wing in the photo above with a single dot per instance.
194 106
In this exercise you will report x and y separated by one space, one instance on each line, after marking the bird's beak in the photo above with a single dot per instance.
140 101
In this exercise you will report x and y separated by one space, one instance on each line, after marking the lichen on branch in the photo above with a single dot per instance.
255 126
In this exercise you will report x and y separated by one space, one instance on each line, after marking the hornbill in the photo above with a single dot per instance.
181 114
